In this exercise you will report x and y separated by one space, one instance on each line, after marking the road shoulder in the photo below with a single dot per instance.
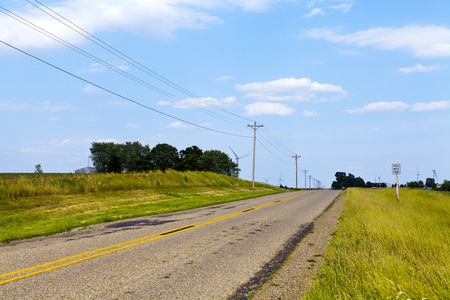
296 276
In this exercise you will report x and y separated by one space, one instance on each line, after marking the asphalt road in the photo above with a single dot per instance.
207 253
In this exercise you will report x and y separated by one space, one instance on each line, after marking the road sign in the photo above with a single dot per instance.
396 169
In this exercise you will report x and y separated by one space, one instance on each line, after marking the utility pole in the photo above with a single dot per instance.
296 172
309 181
255 127
305 177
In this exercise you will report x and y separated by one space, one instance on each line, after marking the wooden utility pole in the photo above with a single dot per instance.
305 177
296 172
255 127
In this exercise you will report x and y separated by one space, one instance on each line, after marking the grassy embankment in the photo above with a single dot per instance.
43 204
388 250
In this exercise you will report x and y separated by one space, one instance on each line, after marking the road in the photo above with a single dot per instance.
206 253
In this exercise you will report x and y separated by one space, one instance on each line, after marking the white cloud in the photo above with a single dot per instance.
108 140
11 106
315 12
132 126
344 7
164 103
47 106
43 106
441 105
201 102
158 19
268 108
255 5
98 67
154 18
399 106
289 89
91 89
418 68
224 78
423 41
309 114
380 106
183 126
179 125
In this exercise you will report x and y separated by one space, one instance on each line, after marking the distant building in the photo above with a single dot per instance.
87 170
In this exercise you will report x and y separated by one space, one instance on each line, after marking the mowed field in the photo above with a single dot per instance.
43 204
388 250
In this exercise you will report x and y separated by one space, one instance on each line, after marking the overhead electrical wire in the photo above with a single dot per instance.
136 64
273 138
290 163
271 144
106 64
123 56
117 94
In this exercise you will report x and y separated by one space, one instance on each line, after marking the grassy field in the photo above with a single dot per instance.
43 204
388 250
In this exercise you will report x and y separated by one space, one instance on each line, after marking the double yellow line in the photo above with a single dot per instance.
110 249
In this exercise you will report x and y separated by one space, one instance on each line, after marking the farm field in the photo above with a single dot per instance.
43 204
388 250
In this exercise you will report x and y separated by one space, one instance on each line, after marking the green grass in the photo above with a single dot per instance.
34 205
388 250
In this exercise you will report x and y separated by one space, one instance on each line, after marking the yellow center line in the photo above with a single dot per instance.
132 243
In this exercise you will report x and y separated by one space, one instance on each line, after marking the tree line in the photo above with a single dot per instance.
429 184
134 157
345 181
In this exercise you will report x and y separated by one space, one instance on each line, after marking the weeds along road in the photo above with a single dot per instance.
207 253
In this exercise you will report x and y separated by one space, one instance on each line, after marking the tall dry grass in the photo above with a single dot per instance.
33 204
13 186
388 250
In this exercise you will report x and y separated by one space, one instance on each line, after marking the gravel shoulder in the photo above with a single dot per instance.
296 276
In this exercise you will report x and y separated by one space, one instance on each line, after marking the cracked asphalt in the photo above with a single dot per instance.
207 253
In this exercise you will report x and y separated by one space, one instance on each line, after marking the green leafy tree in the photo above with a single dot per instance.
429 183
136 158
107 157
445 186
344 181
218 162
164 157
190 158
413 185
38 169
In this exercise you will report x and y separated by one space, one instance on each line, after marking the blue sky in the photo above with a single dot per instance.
350 86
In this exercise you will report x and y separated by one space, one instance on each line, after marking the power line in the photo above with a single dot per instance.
123 56
288 151
106 64
116 94
289 163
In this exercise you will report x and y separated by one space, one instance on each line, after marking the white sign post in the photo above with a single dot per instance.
397 169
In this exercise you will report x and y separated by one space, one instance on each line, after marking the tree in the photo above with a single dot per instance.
445 186
107 157
165 156
218 162
136 158
413 185
343 181
430 183
189 158
38 169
